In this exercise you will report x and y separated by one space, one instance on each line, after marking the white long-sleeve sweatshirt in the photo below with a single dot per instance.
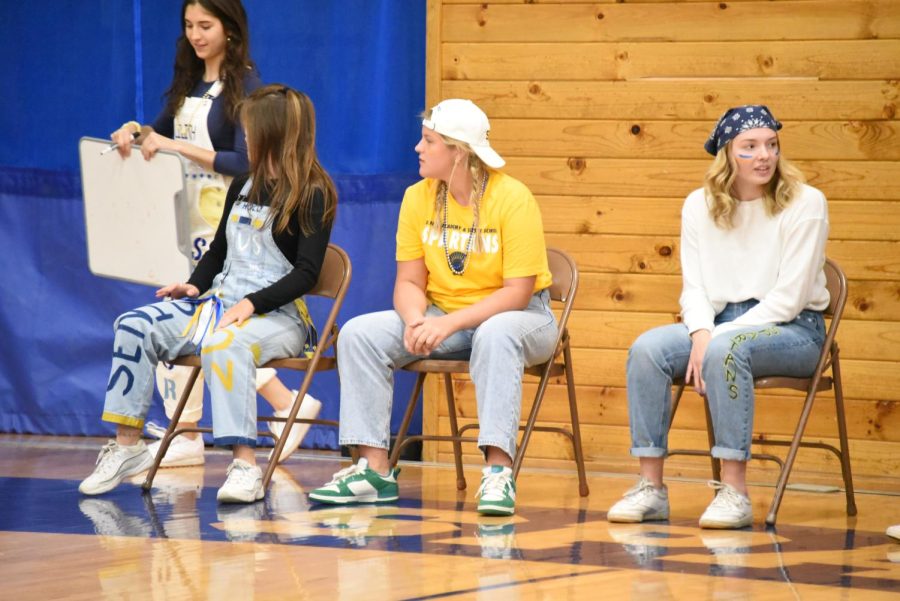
777 260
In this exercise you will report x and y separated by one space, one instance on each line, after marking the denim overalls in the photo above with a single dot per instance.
166 330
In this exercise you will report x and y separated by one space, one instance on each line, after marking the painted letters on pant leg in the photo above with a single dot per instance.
143 337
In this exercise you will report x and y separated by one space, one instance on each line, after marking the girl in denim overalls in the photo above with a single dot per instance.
267 252
213 72
752 257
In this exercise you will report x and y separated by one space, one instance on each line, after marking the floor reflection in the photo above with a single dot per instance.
182 509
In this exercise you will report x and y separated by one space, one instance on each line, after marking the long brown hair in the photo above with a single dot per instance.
189 67
281 141
720 177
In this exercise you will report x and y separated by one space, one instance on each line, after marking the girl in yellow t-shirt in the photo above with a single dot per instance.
471 280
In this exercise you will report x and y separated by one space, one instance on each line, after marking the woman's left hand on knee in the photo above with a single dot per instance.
237 314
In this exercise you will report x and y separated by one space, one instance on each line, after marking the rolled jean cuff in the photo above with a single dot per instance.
123 420
503 446
730 454
649 452
229 441
356 442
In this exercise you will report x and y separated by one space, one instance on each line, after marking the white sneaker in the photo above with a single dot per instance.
730 509
182 451
642 502
115 463
243 484
309 409
893 531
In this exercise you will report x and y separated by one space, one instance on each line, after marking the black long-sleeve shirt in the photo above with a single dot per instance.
306 253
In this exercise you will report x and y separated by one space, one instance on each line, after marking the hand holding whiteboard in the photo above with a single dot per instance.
135 214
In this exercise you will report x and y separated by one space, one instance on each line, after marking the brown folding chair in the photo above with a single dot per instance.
836 282
333 282
563 288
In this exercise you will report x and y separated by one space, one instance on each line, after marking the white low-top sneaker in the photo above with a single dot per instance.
309 409
182 451
642 502
243 484
730 509
115 463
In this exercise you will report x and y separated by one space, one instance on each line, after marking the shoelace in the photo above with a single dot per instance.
725 494
344 473
494 484
104 458
244 473
639 489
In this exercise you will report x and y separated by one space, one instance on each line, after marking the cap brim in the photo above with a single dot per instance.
489 156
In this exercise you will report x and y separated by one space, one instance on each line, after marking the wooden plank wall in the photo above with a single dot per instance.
602 108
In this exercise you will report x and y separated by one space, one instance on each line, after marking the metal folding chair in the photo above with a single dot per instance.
333 282
563 289
836 282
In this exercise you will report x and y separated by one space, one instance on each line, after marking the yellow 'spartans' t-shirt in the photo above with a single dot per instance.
511 232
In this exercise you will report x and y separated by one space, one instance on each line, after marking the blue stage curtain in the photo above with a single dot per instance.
83 68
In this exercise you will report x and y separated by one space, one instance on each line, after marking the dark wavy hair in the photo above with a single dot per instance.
281 142
189 68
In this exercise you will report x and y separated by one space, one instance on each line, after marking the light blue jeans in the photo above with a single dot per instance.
732 361
370 348
153 333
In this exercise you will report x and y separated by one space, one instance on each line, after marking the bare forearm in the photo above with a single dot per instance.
409 301
201 156
506 298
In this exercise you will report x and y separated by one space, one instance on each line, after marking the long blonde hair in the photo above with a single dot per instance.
478 171
281 141
720 177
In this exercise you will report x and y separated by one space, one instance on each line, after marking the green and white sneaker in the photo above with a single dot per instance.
358 484
497 493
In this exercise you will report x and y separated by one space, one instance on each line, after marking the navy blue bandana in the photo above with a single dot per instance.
736 120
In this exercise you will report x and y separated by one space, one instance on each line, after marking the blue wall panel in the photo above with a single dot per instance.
83 68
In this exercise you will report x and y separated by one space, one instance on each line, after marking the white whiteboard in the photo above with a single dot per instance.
138 228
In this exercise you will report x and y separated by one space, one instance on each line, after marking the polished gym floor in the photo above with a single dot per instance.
178 543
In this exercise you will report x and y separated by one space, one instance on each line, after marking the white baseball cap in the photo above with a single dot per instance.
462 120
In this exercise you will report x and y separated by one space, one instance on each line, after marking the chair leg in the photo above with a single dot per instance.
792 453
407 417
173 424
583 489
454 430
842 433
288 424
529 424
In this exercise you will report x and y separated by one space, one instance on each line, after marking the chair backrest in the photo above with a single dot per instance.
333 282
565 275
335 273
563 289
836 282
